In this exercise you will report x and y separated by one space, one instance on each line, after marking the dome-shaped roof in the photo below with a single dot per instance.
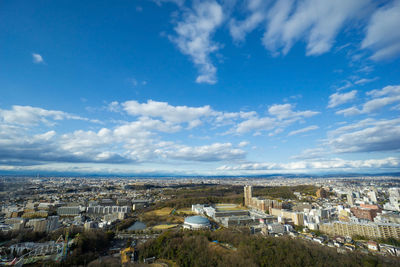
197 220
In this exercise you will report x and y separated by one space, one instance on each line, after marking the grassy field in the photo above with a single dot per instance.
160 212
185 211
163 215
164 226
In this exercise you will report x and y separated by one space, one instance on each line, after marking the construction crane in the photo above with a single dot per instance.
64 252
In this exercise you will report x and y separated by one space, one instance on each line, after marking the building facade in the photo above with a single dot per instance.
372 230
259 203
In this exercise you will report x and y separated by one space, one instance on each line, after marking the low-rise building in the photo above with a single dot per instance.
69 211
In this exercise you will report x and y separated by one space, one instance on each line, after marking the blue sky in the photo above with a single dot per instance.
199 87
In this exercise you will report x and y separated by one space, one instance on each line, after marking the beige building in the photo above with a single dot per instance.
372 230
296 217
258 203
39 225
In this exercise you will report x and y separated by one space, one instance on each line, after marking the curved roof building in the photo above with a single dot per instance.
196 222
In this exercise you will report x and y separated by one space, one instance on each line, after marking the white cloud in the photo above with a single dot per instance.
207 153
27 115
285 111
318 22
37 58
337 99
383 35
114 106
243 144
239 29
364 81
194 34
282 115
378 103
328 164
285 22
366 136
349 111
304 130
391 90
346 85
277 17
380 98
173 114
45 136
257 124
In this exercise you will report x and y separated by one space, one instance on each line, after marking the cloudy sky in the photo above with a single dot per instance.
199 87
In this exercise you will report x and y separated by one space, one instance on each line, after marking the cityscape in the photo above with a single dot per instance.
200 133
116 221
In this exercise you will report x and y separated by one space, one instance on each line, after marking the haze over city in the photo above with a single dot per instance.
199 87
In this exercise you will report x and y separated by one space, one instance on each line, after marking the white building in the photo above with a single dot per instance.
276 228
196 223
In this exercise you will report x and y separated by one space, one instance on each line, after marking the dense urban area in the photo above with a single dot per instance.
274 221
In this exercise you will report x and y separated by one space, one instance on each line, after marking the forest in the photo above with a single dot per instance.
203 194
228 247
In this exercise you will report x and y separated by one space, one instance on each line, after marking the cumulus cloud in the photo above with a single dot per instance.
207 153
173 114
37 58
281 116
380 98
151 134
194 34
367 135
257 124
304 130
24 149
382 33
337 99
243 144
327 164
127 142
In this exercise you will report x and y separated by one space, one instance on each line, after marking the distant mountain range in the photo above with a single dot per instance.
163 175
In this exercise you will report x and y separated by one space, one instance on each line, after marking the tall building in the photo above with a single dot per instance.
394 199
350 199
259 203
248 194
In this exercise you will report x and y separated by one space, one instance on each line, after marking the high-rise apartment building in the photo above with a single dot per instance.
259 203
248 194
